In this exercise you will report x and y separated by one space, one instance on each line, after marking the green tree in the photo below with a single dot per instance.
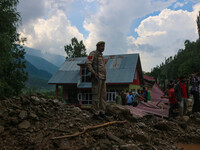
12 63
75 49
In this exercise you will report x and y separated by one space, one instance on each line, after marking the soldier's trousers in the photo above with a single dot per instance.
98 96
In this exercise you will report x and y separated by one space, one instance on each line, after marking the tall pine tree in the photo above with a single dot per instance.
12 63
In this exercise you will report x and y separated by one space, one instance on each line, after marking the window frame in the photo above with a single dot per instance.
111 95
85 97
85 77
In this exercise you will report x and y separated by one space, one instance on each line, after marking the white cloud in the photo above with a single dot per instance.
178 4
31 10
49 31
51 34
164 35
89 1
48 28
113 21
63 5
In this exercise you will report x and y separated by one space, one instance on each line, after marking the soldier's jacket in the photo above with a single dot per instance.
94 66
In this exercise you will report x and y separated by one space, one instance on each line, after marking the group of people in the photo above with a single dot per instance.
96 64
133 97
178 92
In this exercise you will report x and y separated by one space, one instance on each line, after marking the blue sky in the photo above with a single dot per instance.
153 28
77 12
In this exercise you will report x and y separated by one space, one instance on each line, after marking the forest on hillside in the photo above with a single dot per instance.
186 61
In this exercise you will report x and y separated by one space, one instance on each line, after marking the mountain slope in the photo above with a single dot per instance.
32 70
41 63
37 78
55 59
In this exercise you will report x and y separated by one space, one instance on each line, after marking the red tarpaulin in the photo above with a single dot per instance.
156 106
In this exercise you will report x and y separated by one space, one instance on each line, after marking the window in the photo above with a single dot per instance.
85 97
85 75
111 94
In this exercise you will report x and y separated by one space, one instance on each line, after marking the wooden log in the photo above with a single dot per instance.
89 128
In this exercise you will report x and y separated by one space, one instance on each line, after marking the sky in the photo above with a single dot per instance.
156 29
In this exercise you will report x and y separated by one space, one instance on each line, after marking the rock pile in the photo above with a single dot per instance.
30 122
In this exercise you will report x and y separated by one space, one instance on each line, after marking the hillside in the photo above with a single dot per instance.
185 61
37 78
41 64
55 59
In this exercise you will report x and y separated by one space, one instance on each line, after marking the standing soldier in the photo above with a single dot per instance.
96 64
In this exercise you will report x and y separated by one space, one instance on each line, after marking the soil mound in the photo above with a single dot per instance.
36 122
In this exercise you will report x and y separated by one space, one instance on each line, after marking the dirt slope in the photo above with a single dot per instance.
30 122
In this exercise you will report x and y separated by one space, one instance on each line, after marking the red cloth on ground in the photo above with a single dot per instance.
183 90
172 99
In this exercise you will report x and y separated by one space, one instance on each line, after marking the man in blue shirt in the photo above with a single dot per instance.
145 94
129 98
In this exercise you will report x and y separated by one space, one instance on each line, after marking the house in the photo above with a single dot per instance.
124 72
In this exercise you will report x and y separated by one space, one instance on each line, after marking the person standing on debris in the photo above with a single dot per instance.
133 92
172 100
177 91
129 98
135 98
195 91
118 98
96 64
184 96
127 92
187 84
123 96
148 95
145 94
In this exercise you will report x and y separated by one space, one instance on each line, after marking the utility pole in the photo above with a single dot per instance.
166 73
198 24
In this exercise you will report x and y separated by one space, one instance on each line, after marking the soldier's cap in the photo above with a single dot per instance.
100 42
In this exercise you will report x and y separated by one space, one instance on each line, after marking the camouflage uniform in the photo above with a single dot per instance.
96 63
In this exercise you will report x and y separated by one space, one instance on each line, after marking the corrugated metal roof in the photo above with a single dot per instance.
84 85
120 69
149 78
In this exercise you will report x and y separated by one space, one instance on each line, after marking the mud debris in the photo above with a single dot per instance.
30 122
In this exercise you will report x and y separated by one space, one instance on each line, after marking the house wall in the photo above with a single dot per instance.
136 80
71 94
133 86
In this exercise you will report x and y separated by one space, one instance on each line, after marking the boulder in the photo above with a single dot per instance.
142 125
141 137
23 114
113 137
162 126
33 116
118 110
77 110
24 125
185 118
